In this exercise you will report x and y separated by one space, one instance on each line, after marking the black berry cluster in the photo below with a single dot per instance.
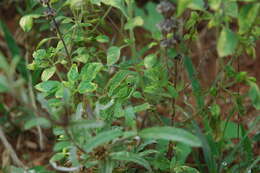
169 24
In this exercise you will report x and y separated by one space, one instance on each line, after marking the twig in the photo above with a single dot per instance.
9 147
59 33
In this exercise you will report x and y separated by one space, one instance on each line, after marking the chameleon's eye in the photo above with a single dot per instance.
129 84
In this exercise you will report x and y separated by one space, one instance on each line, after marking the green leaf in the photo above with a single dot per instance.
48 73
192 4
16 170
185 169
119 4
131 157
171 133
101 139
90 71
14 49
196 87
59 146
102 39
37 121
57 157
254 94
231 8
4 64
113 55
247 16
76 4
173 92
39 54
73 73
134 22
227 42
26 22
96 2
3 84
86 86
215 110
87 124
196 5
151 16
48 86
182 5
215 4
106 166
150 60
142 107
117 79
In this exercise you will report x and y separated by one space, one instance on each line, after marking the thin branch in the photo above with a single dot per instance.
59 34
9 147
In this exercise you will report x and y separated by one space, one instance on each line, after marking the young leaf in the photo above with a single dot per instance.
227 42
48 73
131 157
73 74
86 86
171 133
102 138
113 55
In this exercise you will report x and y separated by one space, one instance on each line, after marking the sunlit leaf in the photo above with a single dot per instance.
113 55
227 42
90 71
48 73
73 73
102 39
132 23
86 86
